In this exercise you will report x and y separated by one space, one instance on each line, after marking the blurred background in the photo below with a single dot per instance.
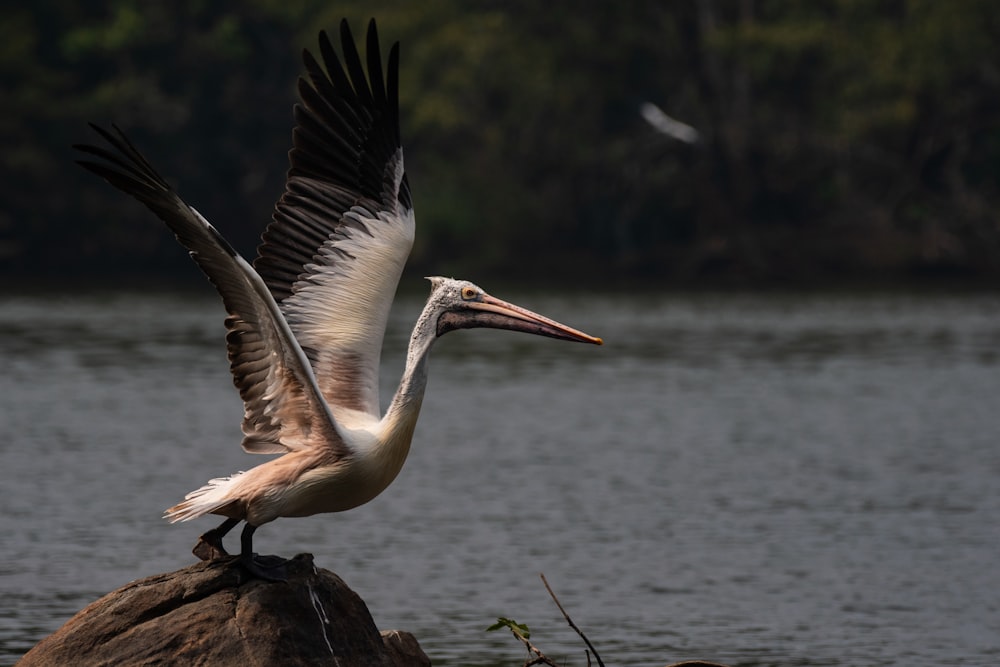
833 141
781 216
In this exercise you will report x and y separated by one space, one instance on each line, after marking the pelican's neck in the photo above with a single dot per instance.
385 454
405 405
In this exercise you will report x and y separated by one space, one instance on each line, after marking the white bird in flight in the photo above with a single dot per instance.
305 322
671 127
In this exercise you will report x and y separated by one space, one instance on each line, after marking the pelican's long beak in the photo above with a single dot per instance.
494 313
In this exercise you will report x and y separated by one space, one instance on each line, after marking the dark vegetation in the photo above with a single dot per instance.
839 140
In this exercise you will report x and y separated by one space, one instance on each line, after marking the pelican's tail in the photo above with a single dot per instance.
213 496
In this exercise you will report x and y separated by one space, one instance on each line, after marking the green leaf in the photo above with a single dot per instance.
512 625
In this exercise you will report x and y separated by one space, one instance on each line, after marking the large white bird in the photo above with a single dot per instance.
306 321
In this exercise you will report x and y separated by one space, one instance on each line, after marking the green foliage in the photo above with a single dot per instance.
838 137
519 629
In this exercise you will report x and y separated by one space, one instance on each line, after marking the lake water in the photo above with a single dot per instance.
757 480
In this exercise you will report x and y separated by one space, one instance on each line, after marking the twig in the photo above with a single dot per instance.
569 620
540 658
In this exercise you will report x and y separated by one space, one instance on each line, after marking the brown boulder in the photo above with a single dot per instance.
211 613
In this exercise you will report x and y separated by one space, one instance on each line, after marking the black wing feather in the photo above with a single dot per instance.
263 354
346 139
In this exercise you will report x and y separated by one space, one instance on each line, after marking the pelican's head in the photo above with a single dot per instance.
460 304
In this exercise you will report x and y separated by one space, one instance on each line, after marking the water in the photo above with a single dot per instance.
758 480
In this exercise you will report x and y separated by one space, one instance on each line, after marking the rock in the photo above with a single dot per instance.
211 613
403 649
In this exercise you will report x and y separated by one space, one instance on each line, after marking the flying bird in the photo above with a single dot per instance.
305 321
671 127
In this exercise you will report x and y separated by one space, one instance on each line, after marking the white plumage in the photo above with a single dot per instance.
305 322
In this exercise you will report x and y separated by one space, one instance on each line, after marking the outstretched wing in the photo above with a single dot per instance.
341 233
283 407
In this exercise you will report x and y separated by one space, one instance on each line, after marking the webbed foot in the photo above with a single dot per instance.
268 568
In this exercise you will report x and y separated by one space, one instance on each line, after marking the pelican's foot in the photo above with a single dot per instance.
268 568
209 547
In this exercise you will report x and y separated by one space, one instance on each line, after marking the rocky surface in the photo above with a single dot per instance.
211 613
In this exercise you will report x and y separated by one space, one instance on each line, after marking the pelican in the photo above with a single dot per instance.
305 321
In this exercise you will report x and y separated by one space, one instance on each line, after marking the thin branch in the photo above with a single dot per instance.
541 659
569 620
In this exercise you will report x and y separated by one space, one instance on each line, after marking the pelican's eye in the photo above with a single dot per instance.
469 293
